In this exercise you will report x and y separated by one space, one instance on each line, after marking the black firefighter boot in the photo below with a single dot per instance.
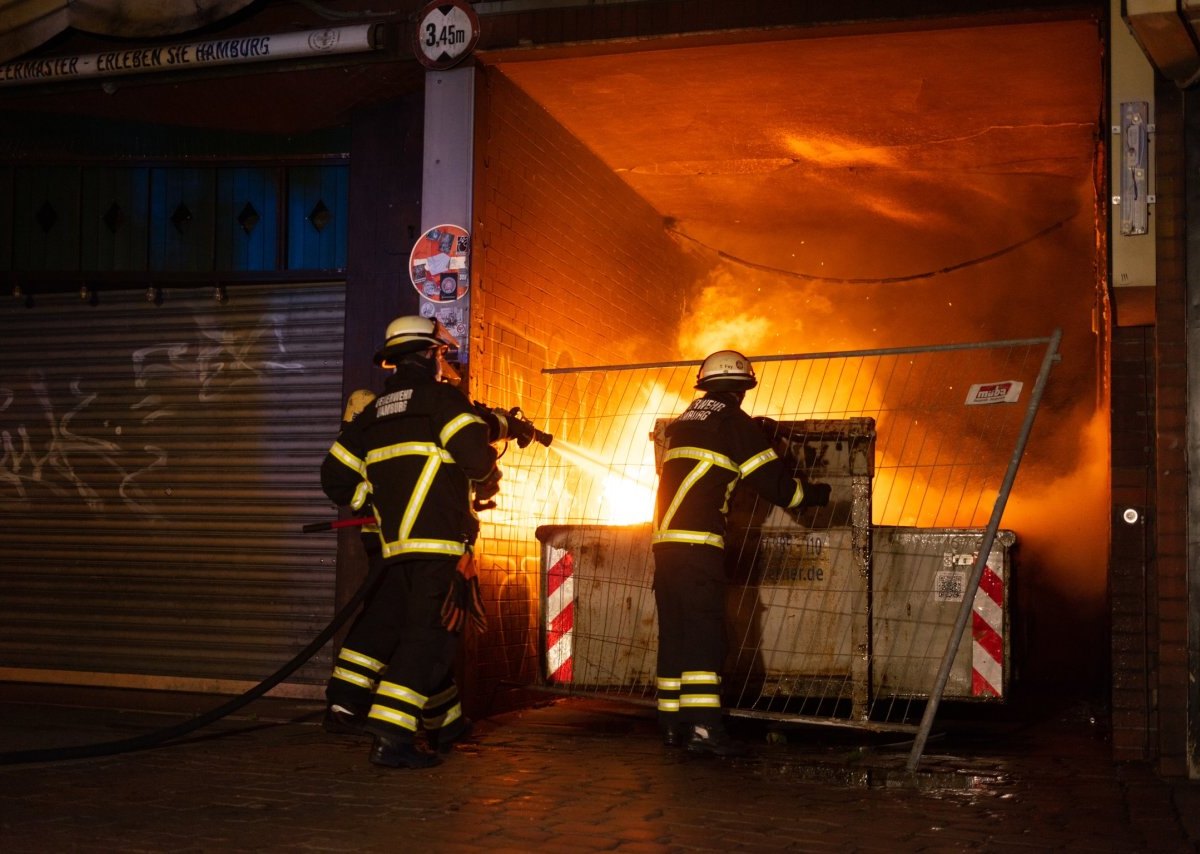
676 733
713 739
443 740
392 753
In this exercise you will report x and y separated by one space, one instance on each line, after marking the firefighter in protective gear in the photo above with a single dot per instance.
413 456
711 447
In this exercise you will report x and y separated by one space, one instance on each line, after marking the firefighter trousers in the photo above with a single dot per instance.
397 664
689 592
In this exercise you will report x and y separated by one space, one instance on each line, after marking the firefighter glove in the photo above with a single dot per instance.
463 600
769 426
487 489
494 427
816 494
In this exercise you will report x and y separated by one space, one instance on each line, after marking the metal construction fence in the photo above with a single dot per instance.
853 614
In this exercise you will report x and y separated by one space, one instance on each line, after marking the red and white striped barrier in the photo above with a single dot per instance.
560 616
987 632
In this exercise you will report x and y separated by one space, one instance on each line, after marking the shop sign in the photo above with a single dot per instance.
190 55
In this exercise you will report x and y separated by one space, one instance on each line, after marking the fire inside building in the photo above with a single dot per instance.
951 239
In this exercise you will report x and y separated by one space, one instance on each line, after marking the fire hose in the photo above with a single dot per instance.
153 739
503 425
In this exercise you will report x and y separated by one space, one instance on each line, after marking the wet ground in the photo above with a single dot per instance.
570 775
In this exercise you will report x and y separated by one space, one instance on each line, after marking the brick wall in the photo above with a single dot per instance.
570 268
1132 586
1149 573
1170 605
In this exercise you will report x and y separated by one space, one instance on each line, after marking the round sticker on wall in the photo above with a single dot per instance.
438 263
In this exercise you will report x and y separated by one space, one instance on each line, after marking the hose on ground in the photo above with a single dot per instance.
161 736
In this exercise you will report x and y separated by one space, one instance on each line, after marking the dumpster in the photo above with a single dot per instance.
799 606
820 603
797 597
798 627
919 578
598 625
795 629
802 622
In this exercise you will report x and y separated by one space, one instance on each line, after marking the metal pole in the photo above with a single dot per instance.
791 357
939 687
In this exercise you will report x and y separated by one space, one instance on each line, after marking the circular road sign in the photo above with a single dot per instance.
447 31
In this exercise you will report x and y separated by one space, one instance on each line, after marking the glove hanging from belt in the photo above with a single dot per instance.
463 600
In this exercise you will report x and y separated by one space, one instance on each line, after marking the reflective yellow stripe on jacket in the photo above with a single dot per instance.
434 457
456 424
348 459
705 460
359 467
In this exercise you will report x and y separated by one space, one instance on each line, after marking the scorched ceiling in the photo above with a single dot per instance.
877 157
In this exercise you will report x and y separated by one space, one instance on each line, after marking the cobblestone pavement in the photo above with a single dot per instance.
575 775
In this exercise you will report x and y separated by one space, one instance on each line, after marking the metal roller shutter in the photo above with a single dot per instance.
157 464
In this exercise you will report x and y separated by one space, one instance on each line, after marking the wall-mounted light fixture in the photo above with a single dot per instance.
16 291
154 295
85 293
219 294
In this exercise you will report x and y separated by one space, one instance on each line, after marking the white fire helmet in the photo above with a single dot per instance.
726 370
412 333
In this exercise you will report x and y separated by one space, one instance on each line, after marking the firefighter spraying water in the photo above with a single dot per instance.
504 425
424 343
413 461
417 463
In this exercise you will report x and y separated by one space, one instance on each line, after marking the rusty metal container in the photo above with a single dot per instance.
919 578
800 605
599 626
797 604
820 604
800 624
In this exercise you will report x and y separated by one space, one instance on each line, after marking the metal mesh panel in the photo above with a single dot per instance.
840 613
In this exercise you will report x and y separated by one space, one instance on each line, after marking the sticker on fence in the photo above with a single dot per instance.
1004 392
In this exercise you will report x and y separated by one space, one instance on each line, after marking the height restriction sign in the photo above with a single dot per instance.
447 31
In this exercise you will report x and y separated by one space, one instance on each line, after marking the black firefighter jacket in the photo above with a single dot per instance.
710 447
412 455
